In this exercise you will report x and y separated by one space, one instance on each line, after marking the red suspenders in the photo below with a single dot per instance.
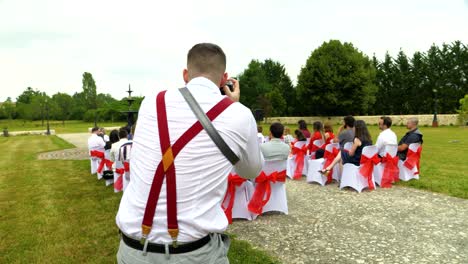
166 167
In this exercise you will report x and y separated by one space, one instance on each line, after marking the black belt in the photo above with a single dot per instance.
159 248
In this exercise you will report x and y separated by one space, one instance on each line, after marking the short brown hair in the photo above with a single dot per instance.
206 58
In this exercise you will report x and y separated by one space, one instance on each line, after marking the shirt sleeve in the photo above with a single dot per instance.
251 158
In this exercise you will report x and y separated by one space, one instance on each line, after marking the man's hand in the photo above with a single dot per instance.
235 94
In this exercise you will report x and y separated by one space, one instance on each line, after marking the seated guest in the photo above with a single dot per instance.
275 149
288 139
346 131
261 138
318 135
95 142
361 140
102 133
113 137
114 153
387 136
329 136
303 127
299 136
412 136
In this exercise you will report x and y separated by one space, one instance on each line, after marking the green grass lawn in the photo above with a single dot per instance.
54 211
72 126
444 159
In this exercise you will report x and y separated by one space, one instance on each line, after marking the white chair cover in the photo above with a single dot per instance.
316 145
278 201
313 174
351 176
405 173
107 156
242 197
379 168
95 162
124 156
118 178
291 162
337 168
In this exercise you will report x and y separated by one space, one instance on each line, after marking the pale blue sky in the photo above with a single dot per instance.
48 44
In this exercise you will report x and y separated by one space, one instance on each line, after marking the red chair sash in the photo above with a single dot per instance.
390 171
118 184
329 156
262 191
300 154
412 159
367 167
126 166
234 181
100 155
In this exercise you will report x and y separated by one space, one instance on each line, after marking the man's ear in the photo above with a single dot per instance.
185 76
224 79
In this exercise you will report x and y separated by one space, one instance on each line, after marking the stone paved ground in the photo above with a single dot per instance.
80 140
398 225
326 225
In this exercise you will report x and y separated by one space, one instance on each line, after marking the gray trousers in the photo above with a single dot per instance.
214 252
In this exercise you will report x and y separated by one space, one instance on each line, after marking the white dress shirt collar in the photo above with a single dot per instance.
203 83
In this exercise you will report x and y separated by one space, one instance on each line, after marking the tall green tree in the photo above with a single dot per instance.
64 105
336 80
89 91
266 85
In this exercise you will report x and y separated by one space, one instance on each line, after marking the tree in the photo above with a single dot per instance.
336 80
265 85
64 106
463 111
8 109
89 91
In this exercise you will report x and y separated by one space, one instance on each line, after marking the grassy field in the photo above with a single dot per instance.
72 126
54 211
444 159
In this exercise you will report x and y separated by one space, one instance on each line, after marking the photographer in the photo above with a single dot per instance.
181 220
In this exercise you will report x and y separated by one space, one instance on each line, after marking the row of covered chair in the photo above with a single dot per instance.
247 199
103 167
373 170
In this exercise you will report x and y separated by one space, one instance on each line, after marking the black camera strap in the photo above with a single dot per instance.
208 126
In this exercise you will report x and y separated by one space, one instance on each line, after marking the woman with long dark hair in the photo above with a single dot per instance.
362 138
303 127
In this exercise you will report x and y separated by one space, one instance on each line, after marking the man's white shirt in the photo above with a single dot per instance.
201 168
96 142
386 137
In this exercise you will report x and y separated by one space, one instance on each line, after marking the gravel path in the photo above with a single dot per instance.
80 140
326 225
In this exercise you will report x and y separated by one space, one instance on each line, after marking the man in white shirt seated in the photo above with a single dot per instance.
95 142
387 136
190 232
275 149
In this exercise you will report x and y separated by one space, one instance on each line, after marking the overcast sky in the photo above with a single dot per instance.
48 44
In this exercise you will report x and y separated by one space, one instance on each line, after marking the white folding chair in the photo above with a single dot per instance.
299 149
278 201
388 167
316 145
352 176
124 156
242 191
107 157
119 175
313 174
409 168
96 161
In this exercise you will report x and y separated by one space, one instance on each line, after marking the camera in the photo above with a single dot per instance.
228 84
